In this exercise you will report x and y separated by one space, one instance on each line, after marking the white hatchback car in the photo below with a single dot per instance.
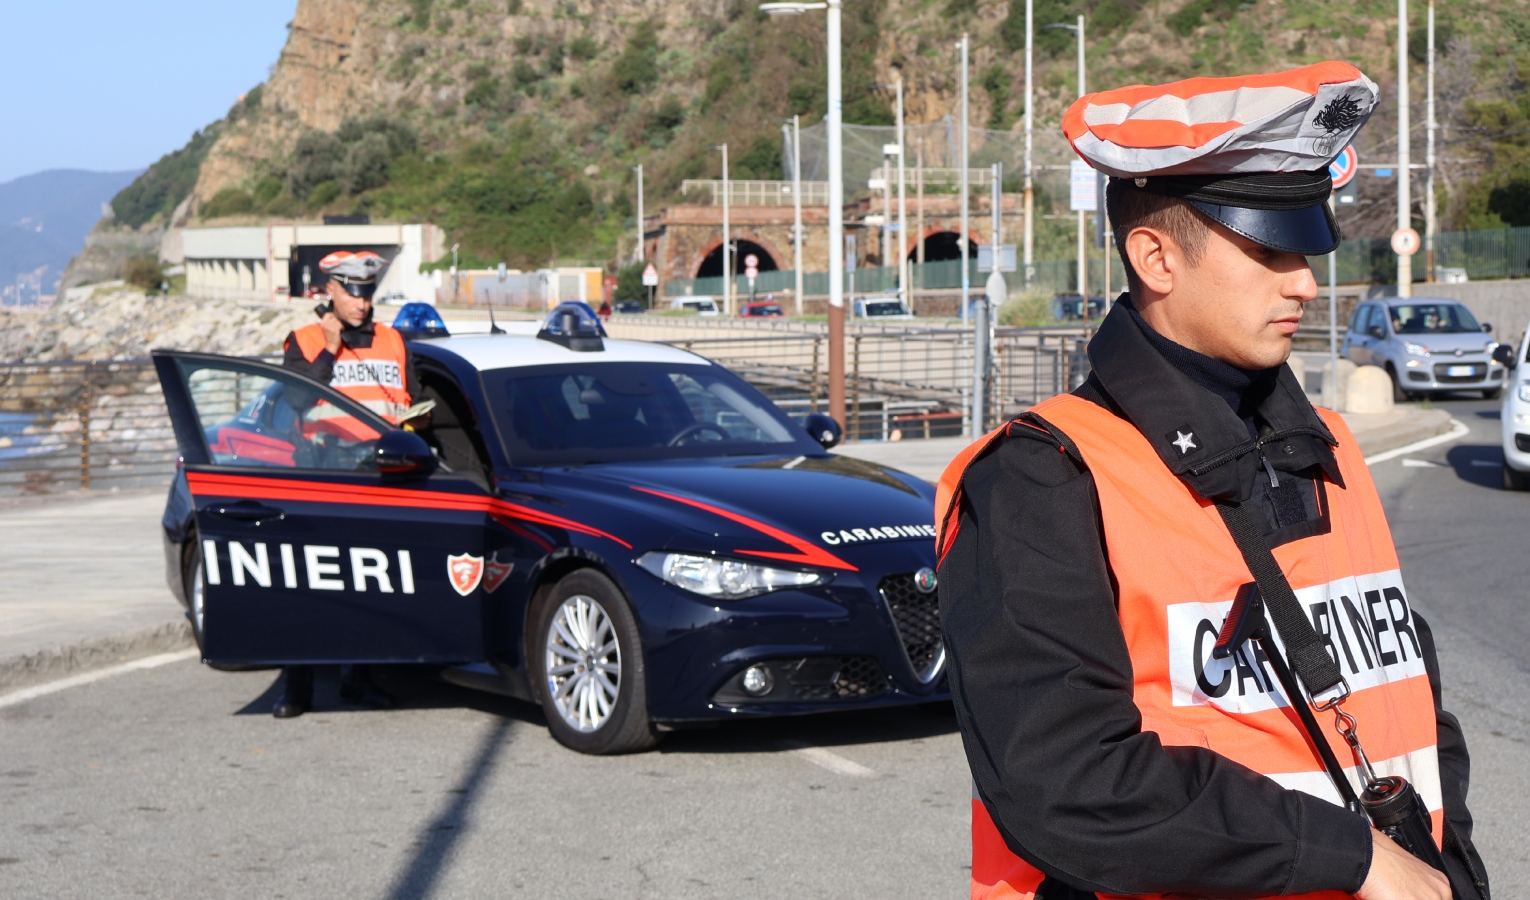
1515 413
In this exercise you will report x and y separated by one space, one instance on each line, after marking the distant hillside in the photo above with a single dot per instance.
44 219
514 124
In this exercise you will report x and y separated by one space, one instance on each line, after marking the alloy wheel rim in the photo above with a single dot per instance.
583 663
198 601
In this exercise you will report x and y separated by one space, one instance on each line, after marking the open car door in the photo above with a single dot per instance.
308 553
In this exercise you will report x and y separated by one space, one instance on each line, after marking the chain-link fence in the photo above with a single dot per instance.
82 426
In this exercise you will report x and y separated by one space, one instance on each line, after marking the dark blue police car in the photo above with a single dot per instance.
626 533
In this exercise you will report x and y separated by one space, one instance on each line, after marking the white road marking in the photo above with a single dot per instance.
63 684
1456 432
828 759
1424 464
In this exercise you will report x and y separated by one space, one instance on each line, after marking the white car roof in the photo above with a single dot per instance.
506 351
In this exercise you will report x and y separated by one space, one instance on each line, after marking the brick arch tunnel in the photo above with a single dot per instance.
712 263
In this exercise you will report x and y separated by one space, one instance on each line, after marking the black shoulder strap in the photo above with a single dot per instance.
1317 670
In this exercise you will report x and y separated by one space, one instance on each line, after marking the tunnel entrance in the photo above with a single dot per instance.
944 245
712 265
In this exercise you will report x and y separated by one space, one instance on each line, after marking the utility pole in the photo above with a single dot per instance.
1331 393
642 251
1029 199
836 201
1429 158
965 239
1404 157
1083 243
903 268
727 236
797 207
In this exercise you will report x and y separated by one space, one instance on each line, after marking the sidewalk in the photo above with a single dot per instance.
84 577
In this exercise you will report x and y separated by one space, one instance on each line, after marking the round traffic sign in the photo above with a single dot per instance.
751 272
1405 242
751 261
1342 170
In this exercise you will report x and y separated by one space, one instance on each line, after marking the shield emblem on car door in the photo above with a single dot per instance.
465 571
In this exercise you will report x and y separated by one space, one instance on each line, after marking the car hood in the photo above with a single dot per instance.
808 510
1466 341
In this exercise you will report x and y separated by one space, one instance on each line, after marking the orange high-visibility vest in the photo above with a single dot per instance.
1178 570
372 376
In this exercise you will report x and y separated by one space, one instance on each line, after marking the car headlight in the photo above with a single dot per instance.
1490 346
1413 349
723 579
1524 391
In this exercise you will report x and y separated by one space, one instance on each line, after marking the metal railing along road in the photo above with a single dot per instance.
82 426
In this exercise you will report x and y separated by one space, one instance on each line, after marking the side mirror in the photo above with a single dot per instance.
1487 328
1378 332
402 452
1503 354
823 429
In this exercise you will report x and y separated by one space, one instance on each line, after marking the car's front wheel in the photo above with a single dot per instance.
588 660
196 591
1398 394
1514 479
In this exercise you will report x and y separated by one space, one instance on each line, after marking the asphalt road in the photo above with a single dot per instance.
174 781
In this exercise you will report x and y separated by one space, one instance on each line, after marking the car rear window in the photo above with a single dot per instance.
609 412
1432 318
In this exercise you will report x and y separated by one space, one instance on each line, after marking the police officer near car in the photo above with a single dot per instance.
1157 590
370 363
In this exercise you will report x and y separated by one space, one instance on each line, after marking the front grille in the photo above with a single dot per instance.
917 617
1418 376
851 678
1478 370
811 679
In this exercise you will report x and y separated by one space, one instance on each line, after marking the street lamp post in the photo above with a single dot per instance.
1404 156
1429 158
1029 200
797 208
727 236
903 269
1083 241
642 252
835 199
965 239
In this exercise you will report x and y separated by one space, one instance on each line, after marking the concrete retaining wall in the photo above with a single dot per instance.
1503 304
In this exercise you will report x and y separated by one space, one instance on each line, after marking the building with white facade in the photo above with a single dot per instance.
269 263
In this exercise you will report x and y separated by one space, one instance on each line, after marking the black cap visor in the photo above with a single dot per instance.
366 289
1310 231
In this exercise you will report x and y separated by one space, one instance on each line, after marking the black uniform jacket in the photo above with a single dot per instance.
322 367
1042 679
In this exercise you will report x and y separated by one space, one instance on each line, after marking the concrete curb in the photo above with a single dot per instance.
93 653
1418 426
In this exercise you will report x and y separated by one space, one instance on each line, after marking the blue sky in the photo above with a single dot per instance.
112 85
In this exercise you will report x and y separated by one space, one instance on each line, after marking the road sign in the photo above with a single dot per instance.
650 276
1082 188
751 260
1006 257
1342 170
1405 242
751 273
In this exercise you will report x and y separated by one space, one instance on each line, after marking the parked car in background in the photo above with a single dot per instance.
882 307
628 307
1069 306
703 306
393 298
760 309
1514 417
1428 345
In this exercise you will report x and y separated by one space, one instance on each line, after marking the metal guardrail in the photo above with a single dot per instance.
102 426
82 426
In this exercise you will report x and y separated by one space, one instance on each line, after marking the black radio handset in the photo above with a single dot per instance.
324 308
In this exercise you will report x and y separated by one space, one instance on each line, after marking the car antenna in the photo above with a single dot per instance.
494 326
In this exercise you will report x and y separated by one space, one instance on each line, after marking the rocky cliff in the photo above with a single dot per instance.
524 117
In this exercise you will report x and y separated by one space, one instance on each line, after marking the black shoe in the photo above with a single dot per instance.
297 693
288 707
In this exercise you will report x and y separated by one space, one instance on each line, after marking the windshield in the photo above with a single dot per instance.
771 310
884 308
613 412
1433 318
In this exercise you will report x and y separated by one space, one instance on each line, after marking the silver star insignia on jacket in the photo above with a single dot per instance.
1185 442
